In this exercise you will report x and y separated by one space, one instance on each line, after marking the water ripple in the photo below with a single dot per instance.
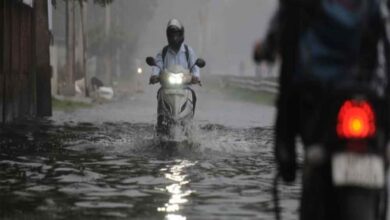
119 170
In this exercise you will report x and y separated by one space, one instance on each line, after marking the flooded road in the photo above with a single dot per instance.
105 163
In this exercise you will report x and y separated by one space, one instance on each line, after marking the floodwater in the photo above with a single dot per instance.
106 163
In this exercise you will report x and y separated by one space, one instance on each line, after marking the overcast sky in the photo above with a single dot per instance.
221 31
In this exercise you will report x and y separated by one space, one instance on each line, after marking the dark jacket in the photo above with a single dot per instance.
292 21
288 37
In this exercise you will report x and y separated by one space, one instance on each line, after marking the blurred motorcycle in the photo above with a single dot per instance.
344 131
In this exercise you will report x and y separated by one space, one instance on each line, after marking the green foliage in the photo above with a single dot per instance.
240 94
99 43
250 96
68 105
127 22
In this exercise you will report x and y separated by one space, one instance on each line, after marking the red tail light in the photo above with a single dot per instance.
356 120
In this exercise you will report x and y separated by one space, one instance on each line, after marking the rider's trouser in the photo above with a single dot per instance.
285 133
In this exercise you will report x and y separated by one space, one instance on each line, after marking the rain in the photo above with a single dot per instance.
98 155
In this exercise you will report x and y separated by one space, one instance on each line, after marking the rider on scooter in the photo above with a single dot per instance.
320 42
175 53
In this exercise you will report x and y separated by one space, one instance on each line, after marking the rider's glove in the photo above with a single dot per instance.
286 160
154 79
195 80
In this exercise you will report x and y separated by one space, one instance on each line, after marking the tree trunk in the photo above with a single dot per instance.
107 20
67 51
67 86
73 42
108 56
83 16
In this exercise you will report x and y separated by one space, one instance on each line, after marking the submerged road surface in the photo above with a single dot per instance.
104 163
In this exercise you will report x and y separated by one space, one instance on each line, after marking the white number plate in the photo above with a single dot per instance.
349 169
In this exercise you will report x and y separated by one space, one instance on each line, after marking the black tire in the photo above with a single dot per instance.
383 204
358 204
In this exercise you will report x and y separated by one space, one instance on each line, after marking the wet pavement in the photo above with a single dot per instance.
95 164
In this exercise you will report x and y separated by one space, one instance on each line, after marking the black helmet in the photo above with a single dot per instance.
175 34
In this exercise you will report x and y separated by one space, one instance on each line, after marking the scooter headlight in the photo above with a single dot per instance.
139 70
175 79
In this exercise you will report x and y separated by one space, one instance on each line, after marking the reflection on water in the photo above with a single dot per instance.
175 217
118 171
177 189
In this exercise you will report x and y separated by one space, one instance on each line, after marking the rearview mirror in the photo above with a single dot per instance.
200 63
150 61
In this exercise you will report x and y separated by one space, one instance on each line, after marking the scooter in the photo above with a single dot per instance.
345 134
176 103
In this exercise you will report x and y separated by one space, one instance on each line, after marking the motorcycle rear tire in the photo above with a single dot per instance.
359 204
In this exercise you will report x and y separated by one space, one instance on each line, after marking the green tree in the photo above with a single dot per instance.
70 39
110 31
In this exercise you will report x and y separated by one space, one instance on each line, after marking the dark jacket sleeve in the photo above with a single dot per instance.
289 17
386 44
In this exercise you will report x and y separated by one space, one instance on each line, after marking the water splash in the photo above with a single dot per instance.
119 170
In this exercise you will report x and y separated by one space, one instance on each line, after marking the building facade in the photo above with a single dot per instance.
24 60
